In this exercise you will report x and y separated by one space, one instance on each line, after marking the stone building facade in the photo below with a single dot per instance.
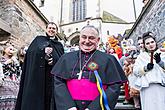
20 22
152 18
75 14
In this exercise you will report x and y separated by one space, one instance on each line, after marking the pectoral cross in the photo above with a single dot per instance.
79 75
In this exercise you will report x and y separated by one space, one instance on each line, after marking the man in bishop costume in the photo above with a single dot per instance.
87 79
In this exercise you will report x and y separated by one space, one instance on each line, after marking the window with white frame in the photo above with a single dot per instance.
78 10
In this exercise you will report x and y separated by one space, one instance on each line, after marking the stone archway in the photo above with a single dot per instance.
74 38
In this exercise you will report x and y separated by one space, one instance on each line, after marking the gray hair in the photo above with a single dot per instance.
91 26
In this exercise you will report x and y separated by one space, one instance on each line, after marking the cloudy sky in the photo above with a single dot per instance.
123 8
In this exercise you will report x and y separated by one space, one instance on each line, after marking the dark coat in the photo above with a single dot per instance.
36 81
67 67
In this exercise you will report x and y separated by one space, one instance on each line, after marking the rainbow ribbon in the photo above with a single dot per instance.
102 92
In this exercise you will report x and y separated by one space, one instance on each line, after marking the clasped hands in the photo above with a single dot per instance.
157 59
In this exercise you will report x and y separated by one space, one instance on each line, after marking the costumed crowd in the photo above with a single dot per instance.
51 75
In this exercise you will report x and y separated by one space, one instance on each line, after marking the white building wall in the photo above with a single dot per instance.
91 8
69 29
101 8
66 11
114 29
50 9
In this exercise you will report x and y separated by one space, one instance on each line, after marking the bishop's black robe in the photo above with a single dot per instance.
36 84
66 70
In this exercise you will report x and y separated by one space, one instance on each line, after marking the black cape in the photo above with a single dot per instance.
67 68
36 80
109 68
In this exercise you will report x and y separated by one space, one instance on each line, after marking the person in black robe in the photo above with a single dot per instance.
87 79
36 86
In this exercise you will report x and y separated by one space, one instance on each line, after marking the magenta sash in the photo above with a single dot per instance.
83 89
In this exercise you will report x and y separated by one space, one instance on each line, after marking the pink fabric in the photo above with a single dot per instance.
83 89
